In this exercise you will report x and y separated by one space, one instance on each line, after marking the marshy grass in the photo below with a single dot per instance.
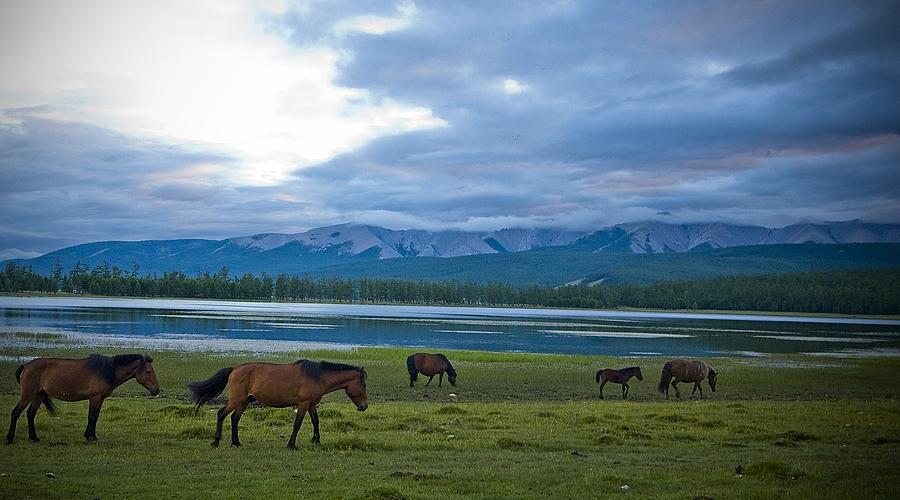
792 432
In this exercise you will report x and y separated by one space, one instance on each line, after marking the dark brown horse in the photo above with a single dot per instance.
93 378
680 370
618 377
430 365
301 384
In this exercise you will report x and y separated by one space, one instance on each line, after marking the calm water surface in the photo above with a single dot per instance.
263 326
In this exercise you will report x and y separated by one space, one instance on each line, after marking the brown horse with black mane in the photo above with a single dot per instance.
618 377
93 378
430 365
680 370
301 384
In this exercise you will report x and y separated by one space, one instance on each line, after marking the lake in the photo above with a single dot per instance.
211 325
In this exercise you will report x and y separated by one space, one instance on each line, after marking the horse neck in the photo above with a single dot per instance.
125 373
335 380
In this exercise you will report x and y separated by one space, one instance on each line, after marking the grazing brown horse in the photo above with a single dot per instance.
93 378
680 370
431 365
618 377
301 384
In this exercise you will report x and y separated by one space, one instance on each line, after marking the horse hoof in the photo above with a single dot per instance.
34 439
292 447
214 444
238 444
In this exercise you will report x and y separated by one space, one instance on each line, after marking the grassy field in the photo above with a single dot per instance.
521 426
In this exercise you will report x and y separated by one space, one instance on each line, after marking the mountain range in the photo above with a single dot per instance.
358 249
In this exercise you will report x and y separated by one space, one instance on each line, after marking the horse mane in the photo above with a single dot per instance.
105 366
450 370
630 368
314 369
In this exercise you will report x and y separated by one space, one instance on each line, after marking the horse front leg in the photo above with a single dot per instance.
90 433
302 408
314 416
14 417
429 380
624 391
440 379
675 386
700 387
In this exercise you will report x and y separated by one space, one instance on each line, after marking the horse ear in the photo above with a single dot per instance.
148 359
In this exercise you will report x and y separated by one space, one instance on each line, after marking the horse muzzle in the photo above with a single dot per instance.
362 407
154 392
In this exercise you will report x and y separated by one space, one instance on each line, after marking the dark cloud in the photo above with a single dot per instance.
630 107
763 112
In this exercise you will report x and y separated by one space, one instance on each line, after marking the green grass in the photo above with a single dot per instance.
522 425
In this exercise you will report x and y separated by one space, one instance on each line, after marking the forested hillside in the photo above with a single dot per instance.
836 291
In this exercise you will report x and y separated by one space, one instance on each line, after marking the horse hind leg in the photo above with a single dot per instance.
235 420
32 412
220 417
601 388
14 417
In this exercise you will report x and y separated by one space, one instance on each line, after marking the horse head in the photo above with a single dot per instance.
146 376
711 379
638 374
356 390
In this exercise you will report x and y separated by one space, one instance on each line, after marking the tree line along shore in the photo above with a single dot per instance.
837 291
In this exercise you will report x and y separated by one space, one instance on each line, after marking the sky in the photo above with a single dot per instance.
130 120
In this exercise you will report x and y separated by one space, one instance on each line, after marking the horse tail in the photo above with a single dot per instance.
599 373
48 403
411 366
19 373
203 391
665 378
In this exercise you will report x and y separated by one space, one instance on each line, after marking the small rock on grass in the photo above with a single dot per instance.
50 475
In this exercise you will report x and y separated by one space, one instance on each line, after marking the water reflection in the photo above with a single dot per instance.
221 325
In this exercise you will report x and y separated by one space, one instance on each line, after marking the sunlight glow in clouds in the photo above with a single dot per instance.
511 86
377 25
204 74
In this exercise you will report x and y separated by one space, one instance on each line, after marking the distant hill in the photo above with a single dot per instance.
624 253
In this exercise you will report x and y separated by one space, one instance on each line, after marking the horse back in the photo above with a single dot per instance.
61 378
272 384
430 364
688 371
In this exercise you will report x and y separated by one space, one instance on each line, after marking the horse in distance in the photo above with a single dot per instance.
93 378
301 384
618 377
430 365
680 370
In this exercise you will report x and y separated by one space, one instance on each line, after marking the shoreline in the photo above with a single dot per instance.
685 313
